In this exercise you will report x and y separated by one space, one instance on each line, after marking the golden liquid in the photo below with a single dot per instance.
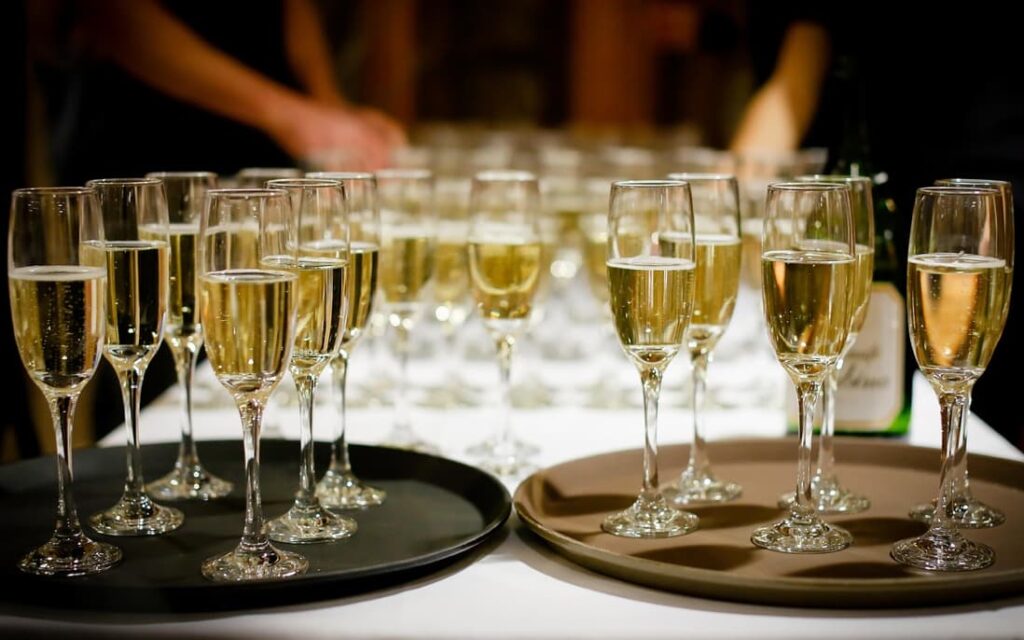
136 297
361 285
956 311
451 271
505 276
651 302
320 311
807 306
249 320
406 265
59 320
595 258
750 239
182 312
863 277
716 284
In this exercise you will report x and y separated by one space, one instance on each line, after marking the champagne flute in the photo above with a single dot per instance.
451 288
808 276
248 313
134 253
831 496
958 283
406 268
968 511
651 286
57 310
716 283
321 265
504 268
340 487
256 177
183 331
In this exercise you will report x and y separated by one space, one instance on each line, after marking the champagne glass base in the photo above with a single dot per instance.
310 524
701 487
452 394
968 513
650 518
831 498
802 535
343 490
136 517
189 482
68 556
942 551
504 459
263 563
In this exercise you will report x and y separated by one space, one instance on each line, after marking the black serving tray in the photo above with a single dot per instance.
436 511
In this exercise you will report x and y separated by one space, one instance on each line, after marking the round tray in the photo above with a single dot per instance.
436 511
565 505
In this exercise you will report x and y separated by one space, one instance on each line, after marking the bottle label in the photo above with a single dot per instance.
870 396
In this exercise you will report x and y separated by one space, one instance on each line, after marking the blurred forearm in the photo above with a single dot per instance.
308 53
781 111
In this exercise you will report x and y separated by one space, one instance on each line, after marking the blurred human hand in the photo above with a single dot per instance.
309 128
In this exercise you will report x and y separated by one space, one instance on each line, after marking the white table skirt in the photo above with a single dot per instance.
517 587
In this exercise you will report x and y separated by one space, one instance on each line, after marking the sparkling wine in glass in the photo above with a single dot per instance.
58 312
967 510
133 251
183 331
716 215
650 282
340 487
958 284
408 242
321 266
504 266
832 497
249 308
808 275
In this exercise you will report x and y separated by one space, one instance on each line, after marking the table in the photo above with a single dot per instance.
515 586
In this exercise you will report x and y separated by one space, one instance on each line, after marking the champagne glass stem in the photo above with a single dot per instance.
254 537
952 405
504 446
961 483
826 450
650 378
185 364
808 392
131 385
305 384
62 408
339 448
699 463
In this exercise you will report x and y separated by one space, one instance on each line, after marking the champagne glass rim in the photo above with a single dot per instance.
648 184
807 186
408 174
341 175
505 175
939 190
163 175
61 191
701 176
832 178
971 182
246 194
255 172
124 182
302 183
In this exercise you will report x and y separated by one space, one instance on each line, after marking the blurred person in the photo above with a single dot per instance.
938 99
217 86
145 85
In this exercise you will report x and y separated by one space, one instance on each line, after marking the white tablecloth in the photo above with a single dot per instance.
516 586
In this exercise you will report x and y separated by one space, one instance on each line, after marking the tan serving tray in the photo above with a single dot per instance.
566 503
